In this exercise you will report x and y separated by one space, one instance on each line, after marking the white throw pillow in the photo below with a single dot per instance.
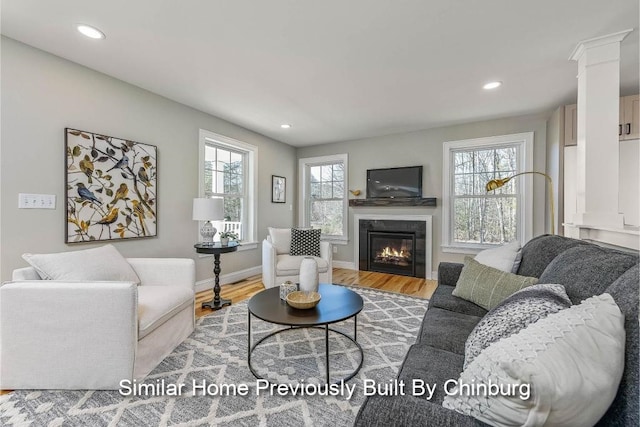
506 257
280 239
571 360
98 264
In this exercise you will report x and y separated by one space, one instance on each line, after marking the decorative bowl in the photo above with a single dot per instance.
303 300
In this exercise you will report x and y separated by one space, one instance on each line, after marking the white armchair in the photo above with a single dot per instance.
92 335
279 266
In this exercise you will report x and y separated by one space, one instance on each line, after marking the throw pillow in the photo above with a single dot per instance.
563 370
305 242
488 286
281 239
506 257
515 313
98 264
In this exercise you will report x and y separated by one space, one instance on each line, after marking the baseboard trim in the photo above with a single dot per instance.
225 279
344 264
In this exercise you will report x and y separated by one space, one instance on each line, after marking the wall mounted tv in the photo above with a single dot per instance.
394 183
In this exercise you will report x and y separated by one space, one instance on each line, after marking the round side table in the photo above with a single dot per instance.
216 249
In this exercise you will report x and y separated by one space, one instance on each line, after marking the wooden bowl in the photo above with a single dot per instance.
303 300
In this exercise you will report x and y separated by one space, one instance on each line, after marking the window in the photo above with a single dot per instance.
472 218
323 202
228 170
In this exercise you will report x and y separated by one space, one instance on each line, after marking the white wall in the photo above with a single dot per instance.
41 94
425 148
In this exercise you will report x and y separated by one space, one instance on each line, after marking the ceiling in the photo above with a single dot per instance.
336 70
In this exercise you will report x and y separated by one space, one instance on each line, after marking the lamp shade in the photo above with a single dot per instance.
208 209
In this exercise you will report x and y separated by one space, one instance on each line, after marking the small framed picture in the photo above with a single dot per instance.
278 189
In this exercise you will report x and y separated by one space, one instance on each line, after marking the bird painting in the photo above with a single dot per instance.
86 194
138 211
110 218
121 164
144 177
111 188
121 193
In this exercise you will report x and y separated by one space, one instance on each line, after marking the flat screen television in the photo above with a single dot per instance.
394 183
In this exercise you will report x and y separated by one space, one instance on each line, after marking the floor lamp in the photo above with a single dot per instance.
497 183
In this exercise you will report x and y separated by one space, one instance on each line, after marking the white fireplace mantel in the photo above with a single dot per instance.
428 237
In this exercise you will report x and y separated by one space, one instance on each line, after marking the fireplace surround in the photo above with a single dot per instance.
395 244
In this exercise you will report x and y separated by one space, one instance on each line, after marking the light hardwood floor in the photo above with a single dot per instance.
245 289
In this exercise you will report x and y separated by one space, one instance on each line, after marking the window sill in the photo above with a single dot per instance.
463 249
336 240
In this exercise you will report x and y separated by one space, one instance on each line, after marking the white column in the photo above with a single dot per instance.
598 118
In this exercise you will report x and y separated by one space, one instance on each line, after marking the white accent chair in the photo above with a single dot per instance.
92 335
278 266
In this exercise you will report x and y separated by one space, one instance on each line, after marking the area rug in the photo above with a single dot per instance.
217 388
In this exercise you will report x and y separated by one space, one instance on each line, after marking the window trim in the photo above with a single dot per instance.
524 183
250 241
303 165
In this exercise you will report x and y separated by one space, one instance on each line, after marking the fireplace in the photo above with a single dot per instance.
395 244
391 253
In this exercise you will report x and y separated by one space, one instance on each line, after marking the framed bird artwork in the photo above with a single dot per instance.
111 188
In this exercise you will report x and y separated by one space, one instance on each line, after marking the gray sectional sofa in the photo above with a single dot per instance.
584 269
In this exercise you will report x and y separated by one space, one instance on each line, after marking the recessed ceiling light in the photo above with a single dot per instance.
90 31
492 85
285 126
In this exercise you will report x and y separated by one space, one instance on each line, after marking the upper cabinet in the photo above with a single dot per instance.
629 117
628 128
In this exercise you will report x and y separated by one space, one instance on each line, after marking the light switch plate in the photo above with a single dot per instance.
36 201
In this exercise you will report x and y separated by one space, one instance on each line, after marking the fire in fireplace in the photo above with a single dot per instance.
391 253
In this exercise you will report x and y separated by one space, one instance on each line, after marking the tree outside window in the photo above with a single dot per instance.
323 184
474 219
224 177
480 217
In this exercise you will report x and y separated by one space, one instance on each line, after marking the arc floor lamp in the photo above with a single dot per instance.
499 182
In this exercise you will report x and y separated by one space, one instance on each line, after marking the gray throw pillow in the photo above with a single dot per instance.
305 242
514 314
488 286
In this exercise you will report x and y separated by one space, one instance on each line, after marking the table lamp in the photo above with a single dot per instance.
208 209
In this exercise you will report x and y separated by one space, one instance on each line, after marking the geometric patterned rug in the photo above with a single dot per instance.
216 355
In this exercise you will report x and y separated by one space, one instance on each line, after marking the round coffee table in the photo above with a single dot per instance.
337 304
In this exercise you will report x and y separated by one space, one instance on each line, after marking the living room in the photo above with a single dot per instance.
366 86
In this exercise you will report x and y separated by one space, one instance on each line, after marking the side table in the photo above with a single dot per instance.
216 249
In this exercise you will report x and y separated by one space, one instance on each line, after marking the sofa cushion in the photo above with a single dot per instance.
289 265
96 264
538 252
440 366
157 304
305 242
563 369
446 329
505 258
625 410
280 239
587 270
488 286
443 298
514 314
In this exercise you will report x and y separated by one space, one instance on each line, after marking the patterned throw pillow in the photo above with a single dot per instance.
559 371
488 286
305 242
514 314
